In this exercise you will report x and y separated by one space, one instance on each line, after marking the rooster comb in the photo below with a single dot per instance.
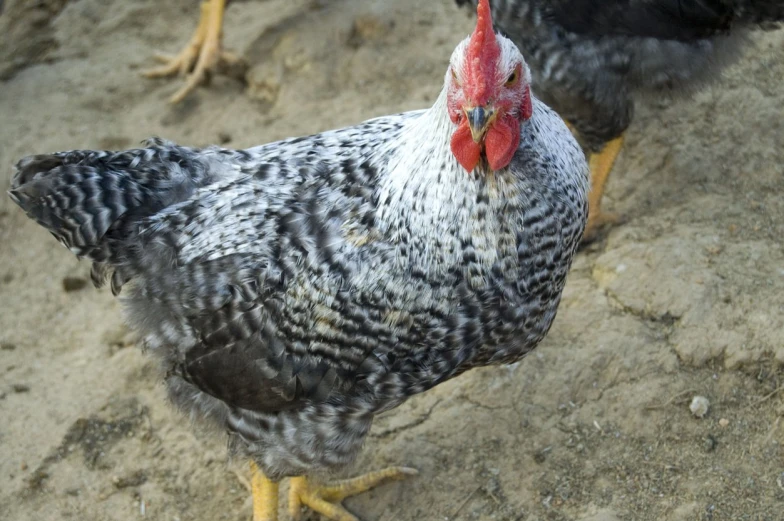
482 55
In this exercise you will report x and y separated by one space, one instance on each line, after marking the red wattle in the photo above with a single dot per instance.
501 142
463 147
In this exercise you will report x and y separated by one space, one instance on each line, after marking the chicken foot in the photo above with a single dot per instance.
326 499
202 55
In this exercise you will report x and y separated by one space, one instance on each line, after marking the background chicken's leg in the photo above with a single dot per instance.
202 54
601 165
326 499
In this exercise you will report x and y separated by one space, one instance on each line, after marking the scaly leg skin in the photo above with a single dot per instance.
265 495
600 165
326 499
203 54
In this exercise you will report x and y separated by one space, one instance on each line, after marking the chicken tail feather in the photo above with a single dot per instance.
90 200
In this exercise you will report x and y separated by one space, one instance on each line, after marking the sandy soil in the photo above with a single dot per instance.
685 298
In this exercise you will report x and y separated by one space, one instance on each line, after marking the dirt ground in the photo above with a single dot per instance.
686 298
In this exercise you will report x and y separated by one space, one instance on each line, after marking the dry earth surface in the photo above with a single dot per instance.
684 299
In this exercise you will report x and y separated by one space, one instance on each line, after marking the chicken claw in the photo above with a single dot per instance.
201 56
326 500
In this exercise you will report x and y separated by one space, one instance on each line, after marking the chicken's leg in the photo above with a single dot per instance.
326 499
202 55
265 495
600 165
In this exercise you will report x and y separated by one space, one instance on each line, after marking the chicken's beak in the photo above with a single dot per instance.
479 120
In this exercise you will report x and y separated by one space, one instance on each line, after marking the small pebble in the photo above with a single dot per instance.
74 283
709 443
780 481
20 388
724 422
7 346
699 406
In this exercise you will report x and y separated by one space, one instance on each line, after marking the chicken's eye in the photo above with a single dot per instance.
455 78
512 79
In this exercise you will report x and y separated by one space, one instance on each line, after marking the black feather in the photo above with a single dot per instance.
682 20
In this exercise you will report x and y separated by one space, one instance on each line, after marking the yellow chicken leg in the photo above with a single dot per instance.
600 165
326 499
265 495
202 55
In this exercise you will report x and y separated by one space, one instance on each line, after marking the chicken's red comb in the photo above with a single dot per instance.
481 56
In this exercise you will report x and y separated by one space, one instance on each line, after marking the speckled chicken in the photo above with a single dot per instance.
588 59
294 290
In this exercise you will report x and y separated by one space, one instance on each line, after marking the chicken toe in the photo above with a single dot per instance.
201 56
327 499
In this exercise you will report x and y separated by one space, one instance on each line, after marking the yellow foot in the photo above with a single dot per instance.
326 500
601 165
203 54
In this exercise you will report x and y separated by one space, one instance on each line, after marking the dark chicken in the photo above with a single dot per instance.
294 290
588 58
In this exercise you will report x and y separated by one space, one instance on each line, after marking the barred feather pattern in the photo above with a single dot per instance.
294 290
589 60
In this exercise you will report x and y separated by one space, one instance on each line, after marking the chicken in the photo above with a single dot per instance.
294 290
202 55
588 59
